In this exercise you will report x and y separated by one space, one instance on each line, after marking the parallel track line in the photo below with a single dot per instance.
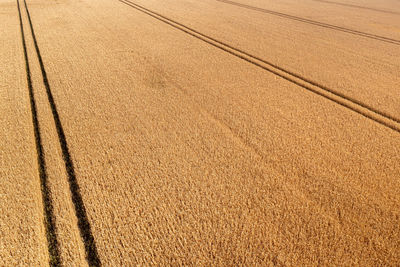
355 105
313 22
48 210
80 210
359 7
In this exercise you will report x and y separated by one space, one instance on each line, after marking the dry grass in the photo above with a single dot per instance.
186 154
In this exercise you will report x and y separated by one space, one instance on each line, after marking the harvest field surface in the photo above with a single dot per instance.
200 132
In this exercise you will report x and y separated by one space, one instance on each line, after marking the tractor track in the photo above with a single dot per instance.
314 22
80 210
48 209
355 105
358 7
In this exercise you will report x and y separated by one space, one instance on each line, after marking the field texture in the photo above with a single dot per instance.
187 132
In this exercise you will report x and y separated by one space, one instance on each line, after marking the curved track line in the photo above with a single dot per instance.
316 23
48 210
80 210
314 87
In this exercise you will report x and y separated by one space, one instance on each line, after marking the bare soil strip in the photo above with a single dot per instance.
313 22
359 7
49 217
328 93
83 222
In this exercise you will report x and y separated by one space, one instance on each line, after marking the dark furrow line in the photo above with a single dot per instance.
80 210
332 91
48 210
223 46
313 22
360 7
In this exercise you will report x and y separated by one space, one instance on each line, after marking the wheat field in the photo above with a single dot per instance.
198 133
